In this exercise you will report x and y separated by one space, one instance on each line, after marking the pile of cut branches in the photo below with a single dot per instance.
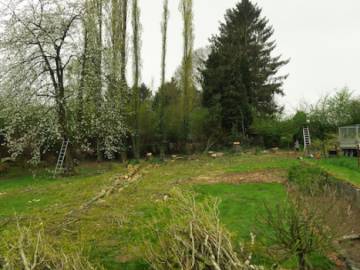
30 249
193 238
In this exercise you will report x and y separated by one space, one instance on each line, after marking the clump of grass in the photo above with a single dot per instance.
31 249
346 162
309 179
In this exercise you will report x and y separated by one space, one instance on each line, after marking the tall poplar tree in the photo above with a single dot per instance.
97 97
125 93
124 22
136 77
81 90
187 84
118 57
164 28
116 41
90 93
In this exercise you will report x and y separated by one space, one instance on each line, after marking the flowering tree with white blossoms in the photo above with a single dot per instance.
42 55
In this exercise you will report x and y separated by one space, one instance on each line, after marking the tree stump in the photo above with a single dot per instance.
236 147
149 156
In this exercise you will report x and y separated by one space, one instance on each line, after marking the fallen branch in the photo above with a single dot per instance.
351 237
119 183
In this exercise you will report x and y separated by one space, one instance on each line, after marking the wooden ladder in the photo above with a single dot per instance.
62 154
307 138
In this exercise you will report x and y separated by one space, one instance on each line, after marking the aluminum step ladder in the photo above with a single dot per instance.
307 138
61 158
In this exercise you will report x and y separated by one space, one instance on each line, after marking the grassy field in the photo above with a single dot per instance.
242 205
343 168
112 231
26 192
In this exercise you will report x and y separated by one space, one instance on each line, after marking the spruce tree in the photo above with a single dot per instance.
240 75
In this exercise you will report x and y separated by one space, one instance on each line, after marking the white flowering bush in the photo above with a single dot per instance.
29 128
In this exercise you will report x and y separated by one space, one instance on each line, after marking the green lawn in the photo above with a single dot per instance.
112 232
242 205
25 192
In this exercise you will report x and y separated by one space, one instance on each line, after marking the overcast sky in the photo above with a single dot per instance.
321 37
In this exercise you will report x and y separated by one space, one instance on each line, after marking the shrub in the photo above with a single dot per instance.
296 229
309 180
193 239
324 192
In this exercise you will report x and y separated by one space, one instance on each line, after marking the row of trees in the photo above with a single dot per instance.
324 117
332 111
64 77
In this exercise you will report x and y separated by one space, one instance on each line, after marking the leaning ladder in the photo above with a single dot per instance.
307 138
62 154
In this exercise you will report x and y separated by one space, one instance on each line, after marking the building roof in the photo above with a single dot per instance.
352 126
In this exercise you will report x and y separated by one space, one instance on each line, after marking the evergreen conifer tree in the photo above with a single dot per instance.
240 75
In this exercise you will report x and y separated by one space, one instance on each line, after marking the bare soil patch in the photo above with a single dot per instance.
263 176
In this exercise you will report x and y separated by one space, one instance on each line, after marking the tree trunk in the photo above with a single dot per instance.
69 161
99 155
124 158
162 150
60 100
136 146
